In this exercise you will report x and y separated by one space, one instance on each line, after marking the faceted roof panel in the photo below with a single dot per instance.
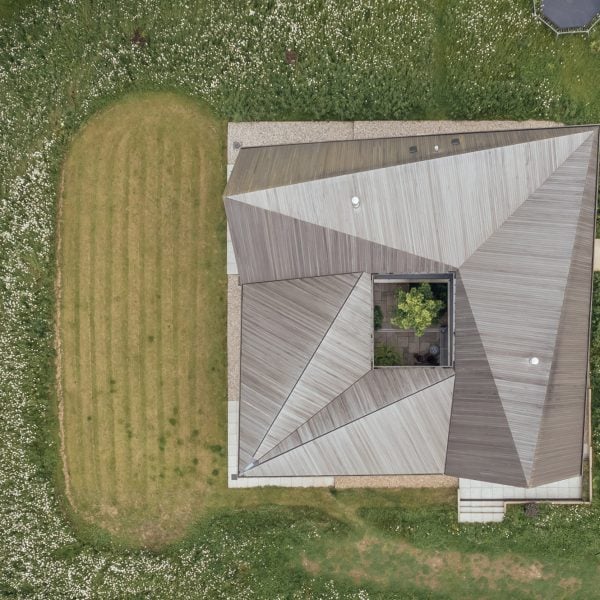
408 436
342 357
462 198
512 214
516 283
283 324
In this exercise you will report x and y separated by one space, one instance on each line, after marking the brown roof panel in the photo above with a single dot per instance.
272 246
259 168
559 452
480 442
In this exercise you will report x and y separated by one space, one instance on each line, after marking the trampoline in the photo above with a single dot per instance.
570 14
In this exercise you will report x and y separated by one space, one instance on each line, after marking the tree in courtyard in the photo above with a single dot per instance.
417 309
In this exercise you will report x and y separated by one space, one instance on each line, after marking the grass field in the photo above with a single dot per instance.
142 329
61 63
142 314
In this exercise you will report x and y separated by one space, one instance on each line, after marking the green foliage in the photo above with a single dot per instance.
9 9
552 533
417 309
377 317
386 356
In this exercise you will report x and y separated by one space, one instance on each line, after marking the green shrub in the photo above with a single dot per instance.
386 356
377 317
417 309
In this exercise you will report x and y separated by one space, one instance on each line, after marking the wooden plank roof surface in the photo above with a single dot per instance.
281 321
408 436
511 212
259 168
515 283
441 209
342 357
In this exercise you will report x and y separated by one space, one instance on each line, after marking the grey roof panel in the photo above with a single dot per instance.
515 283
441 209
559 452
259 168
274 247
377 389
283 324
343 356
480 442
408 436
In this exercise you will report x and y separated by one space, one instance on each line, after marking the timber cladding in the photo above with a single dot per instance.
511 214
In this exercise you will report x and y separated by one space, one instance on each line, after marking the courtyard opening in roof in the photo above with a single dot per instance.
413 320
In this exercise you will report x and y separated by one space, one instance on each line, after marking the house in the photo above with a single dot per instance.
322 232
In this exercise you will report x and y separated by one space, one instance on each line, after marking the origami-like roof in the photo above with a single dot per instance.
511 213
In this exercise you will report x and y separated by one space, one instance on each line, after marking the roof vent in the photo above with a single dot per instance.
534 360
355 201
413 149
455 141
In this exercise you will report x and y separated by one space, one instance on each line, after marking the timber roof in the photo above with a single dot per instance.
511 213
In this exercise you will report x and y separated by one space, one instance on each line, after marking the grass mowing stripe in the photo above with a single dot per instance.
160 439
195 359
100 264
88 397
100 311
177 264
182 203
74 406
189 199
123 466
112 239
102 316
134 255
73 414
142 302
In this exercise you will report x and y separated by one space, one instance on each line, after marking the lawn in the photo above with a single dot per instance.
87 89
142 315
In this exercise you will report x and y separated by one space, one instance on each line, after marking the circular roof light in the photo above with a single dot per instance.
355 201
436 148
534 360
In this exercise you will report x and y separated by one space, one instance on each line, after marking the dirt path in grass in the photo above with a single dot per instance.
58 348
389 563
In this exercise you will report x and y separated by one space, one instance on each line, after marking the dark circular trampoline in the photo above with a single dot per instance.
571 14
